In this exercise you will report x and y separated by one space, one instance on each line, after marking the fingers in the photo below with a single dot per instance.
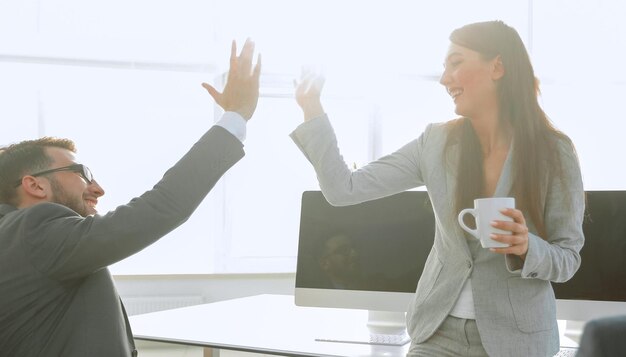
516 227
519 232
309 82
233 59
241 66
515 250
233 51
241 90
256 74
318 84
308 91
513 227
245 58
306 72
517 239
511 239
304 84
516 214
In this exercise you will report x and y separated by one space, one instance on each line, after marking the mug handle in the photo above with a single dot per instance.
473 232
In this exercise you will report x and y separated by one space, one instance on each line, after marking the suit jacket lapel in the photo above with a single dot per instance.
6 209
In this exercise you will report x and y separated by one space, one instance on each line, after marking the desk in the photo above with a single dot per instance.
269 324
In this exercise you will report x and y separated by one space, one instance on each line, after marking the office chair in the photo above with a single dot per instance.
604 337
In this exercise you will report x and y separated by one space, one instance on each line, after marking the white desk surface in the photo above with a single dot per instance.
269 324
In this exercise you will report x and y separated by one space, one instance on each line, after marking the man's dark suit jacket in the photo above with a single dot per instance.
57 297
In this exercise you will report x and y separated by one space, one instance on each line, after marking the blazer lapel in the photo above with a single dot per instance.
503 189
451 171
505 182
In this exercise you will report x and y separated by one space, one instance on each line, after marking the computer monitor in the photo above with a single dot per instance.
366 256
383 245
598 288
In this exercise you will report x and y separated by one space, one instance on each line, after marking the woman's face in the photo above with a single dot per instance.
471 81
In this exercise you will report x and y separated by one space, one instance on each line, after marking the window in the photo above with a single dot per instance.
123 80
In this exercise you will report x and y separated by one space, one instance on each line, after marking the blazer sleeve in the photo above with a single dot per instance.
557 257
65 245
341 186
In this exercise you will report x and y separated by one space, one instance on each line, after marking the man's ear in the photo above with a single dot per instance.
498 68
34 188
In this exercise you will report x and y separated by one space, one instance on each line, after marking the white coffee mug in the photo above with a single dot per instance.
485 211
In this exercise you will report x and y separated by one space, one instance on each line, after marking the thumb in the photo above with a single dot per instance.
212 91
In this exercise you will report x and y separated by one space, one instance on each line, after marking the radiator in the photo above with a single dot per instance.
136 305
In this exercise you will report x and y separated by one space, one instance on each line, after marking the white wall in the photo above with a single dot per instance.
210 288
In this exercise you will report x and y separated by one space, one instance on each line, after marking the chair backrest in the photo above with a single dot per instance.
604 337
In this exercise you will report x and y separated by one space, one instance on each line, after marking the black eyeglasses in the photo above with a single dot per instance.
80 169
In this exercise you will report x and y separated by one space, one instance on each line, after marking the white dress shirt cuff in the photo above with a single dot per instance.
234 123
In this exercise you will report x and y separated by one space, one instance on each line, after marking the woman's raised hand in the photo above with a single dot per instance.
308 91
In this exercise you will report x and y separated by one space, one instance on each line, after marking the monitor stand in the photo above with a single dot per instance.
384 327
386 322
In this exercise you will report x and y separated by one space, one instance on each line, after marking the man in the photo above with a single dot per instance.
57 297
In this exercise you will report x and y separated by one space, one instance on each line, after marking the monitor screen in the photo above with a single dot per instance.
599 286
365 256
370 255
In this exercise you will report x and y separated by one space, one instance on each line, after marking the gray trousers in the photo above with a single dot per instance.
454 338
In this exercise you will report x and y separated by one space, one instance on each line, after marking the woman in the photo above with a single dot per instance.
472 301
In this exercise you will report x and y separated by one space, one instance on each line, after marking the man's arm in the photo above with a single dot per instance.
94 242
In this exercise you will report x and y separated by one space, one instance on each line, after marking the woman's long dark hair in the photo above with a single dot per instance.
535 140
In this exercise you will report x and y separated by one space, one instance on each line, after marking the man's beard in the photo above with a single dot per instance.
61 197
